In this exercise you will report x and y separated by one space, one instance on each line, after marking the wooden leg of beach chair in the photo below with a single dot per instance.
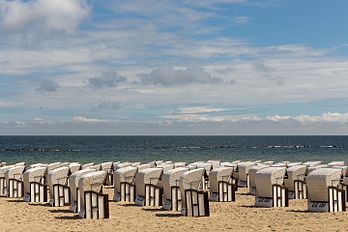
66 195
88 205
78 201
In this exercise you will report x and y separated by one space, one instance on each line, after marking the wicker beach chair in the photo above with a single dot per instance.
148 193
252 172
194 199
3 182
74 188
74 167
124 186
57 181
87 165
315 167
243 173
171 189
180 164
295 182
14 181
312 163
336 163
270 191
222 187
93 203
109 169
324 194
35 188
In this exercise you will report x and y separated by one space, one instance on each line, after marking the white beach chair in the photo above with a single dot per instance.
214 163
14 181
336 163
121 165
87 165
323 192
147 191
171 189
57 181
93 203
3 182
74 167
268 162
243 173
194 200
270 191
35 188
315 167
221 184
96 167
180 164
295 182
252 172
124 186
74 188
109 169
312 163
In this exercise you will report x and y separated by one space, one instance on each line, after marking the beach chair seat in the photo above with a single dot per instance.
195 201
221 184
295 182
252 172
35 188
243 173
94 204
74 188
109 169
324 194
171 189
148 193
270 191
57 180
14 181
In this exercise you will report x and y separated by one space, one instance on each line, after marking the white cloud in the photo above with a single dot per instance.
340 118
46 15
199 109
82 119
241 20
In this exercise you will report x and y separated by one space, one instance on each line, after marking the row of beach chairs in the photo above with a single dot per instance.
176 186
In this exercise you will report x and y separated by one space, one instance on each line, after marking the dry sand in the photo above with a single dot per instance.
16 215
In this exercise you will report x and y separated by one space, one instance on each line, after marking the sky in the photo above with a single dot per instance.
164 67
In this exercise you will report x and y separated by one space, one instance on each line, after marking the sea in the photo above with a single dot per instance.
46 149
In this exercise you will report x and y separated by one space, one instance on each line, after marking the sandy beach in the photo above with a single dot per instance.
16 215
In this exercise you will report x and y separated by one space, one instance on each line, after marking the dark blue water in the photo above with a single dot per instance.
32 149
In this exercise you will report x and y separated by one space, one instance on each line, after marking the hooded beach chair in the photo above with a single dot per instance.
57 181
74 167
336 163
270 190
93 203
124 186
109 169
148 193
87 165
243 173
121 165
295 182
195 201
14 181
35 188
214 163
3 183
221 184
312 163
96 167
180 164
323 192
171 189
74 188
252 172
315 167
